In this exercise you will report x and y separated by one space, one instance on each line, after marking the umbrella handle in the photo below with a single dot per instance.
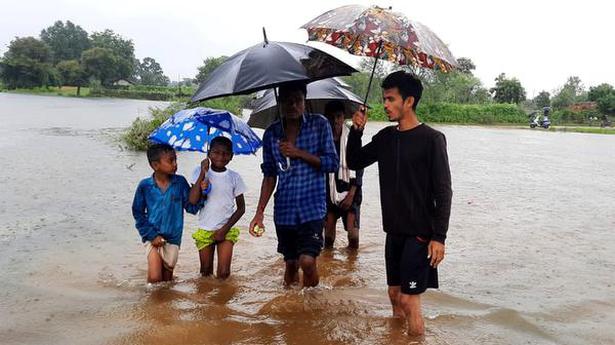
371 77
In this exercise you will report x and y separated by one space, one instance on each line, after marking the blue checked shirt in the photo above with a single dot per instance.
301 193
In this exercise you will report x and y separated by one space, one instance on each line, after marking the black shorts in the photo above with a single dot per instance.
339 213
407 264
301 239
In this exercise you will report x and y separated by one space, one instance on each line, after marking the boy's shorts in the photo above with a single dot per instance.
168 252
300 239
407 264
204 238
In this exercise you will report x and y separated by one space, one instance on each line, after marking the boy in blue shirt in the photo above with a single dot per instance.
158 209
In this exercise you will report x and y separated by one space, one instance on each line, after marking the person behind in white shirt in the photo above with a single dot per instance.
223 191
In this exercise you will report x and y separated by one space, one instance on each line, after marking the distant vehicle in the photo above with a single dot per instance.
605 122
535 121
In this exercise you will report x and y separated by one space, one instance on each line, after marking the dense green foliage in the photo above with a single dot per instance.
136 135
66 41
462 113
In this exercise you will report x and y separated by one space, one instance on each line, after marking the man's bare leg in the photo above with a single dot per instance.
394 294
411 305
353 232
310 270
291 273
330 230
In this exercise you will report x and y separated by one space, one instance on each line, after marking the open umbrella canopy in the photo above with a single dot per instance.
193 129
360 29
269 64
319 93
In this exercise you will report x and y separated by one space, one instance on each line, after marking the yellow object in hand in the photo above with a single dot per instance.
258 230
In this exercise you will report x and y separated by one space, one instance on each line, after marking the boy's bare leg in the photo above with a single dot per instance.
154 266
225 254
167 274
206 256
330 223
394 295
411 305
291 273
353 232
310 270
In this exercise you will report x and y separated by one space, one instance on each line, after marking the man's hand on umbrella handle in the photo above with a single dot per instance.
288 149
257 221
359 119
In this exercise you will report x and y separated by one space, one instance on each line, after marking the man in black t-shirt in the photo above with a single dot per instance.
415 194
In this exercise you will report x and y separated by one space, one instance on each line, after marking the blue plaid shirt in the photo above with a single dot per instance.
301 193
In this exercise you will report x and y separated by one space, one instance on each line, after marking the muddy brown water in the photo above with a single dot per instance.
530 255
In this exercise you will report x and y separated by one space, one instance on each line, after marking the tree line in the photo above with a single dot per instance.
65 54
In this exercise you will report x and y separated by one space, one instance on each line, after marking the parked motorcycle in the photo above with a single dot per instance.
536 121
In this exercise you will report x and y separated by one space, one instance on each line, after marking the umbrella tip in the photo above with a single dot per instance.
265 36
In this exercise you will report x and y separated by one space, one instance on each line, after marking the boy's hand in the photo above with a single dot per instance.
347 202
257 221
205 184
158 241
219 236
359 119
435 251
204 165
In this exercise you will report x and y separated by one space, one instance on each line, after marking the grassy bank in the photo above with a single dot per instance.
574 129
470 114
70 91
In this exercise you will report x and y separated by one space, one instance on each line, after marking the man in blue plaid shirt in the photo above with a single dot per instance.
300 200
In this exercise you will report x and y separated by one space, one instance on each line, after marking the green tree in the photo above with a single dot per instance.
597 92
571 92
454 87
26 64
507 90
102 64
149 72
465 65
209 64
543 99
72 74
67 41
606 104
122 49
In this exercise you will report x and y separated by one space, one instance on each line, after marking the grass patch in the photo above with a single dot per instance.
70 91
592 130
136 135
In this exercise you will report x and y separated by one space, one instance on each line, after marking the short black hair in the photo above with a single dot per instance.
287 88
407 84
222 141
334 107
155 151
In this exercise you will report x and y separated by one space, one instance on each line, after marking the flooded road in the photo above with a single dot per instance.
530 255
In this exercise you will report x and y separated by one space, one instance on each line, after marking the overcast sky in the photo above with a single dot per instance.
541 43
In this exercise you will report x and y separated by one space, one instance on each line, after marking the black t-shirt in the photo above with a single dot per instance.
415 179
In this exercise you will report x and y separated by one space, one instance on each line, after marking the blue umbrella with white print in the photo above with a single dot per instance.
193 129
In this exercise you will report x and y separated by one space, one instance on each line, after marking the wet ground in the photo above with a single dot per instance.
531 253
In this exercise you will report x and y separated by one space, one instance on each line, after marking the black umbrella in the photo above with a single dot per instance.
268 65
319 93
